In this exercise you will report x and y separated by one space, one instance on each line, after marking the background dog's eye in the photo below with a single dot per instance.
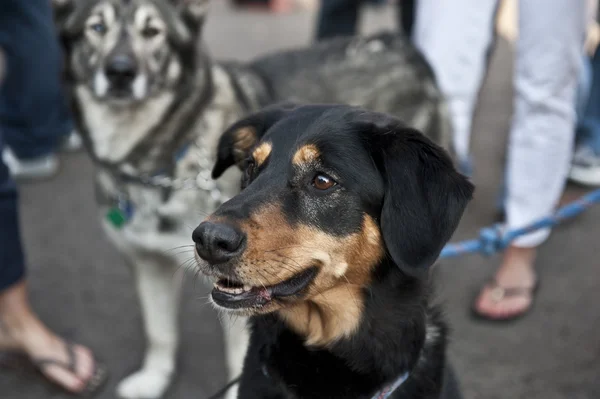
323 182
150 31
249 171
99 28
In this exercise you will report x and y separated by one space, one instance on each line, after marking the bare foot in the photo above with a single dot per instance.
7 340
281 6
21 330
516 272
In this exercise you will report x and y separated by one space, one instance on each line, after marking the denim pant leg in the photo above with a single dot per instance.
406 10
589 126
340 17
12 261
583 87
337 18
34 116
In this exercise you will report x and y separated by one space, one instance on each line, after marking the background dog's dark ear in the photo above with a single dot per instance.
193 12
62 9
237 141
424 194
70 16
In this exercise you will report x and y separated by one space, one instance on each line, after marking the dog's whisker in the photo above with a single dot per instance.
284 266
187 264
287 258
260 281
348 285
289 268
292 247
197 276
189 227
279 262
291 259
182 252
179 247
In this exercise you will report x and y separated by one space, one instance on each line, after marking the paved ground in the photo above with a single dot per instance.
83 289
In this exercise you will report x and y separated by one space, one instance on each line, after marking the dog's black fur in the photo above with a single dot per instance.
383 170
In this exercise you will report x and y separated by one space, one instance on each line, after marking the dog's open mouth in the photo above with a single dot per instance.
120 93
234 295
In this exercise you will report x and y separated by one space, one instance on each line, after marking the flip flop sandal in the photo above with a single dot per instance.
500 293
92 385
21 363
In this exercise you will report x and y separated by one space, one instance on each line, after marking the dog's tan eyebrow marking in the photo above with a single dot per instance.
262 152
306 154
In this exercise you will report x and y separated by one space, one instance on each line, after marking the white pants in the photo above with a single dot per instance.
455 35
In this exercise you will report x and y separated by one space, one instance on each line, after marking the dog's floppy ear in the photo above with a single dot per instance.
193 12
424 194
70 16
61 7
63 10
237 141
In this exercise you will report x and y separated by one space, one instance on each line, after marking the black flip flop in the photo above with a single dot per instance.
499 293
21 363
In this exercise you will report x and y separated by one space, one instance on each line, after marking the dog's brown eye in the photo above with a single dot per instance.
150 31
323 182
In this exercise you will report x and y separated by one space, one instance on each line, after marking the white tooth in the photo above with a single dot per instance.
247 288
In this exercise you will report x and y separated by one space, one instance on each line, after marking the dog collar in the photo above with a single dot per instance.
390 389
123 209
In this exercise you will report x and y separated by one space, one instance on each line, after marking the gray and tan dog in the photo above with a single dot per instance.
151 104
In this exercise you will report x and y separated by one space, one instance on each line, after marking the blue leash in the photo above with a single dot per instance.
493 239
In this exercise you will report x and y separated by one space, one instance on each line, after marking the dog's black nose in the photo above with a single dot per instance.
217 242
121 69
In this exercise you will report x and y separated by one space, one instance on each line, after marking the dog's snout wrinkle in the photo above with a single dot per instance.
217 243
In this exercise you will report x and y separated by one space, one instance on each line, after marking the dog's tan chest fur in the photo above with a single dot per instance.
328 317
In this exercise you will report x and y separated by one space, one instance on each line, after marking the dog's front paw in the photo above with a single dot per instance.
232 393
145 384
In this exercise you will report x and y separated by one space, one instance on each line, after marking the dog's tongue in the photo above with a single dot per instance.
264 293
239 294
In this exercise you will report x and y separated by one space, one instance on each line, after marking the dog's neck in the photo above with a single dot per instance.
392 326
397 333
379 332
115 131
327 318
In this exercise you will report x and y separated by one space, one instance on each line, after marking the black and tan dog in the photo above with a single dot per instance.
327 248
151 104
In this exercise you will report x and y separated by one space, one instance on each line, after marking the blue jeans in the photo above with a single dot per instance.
34 115
340 17
33 112
12 262
588 129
